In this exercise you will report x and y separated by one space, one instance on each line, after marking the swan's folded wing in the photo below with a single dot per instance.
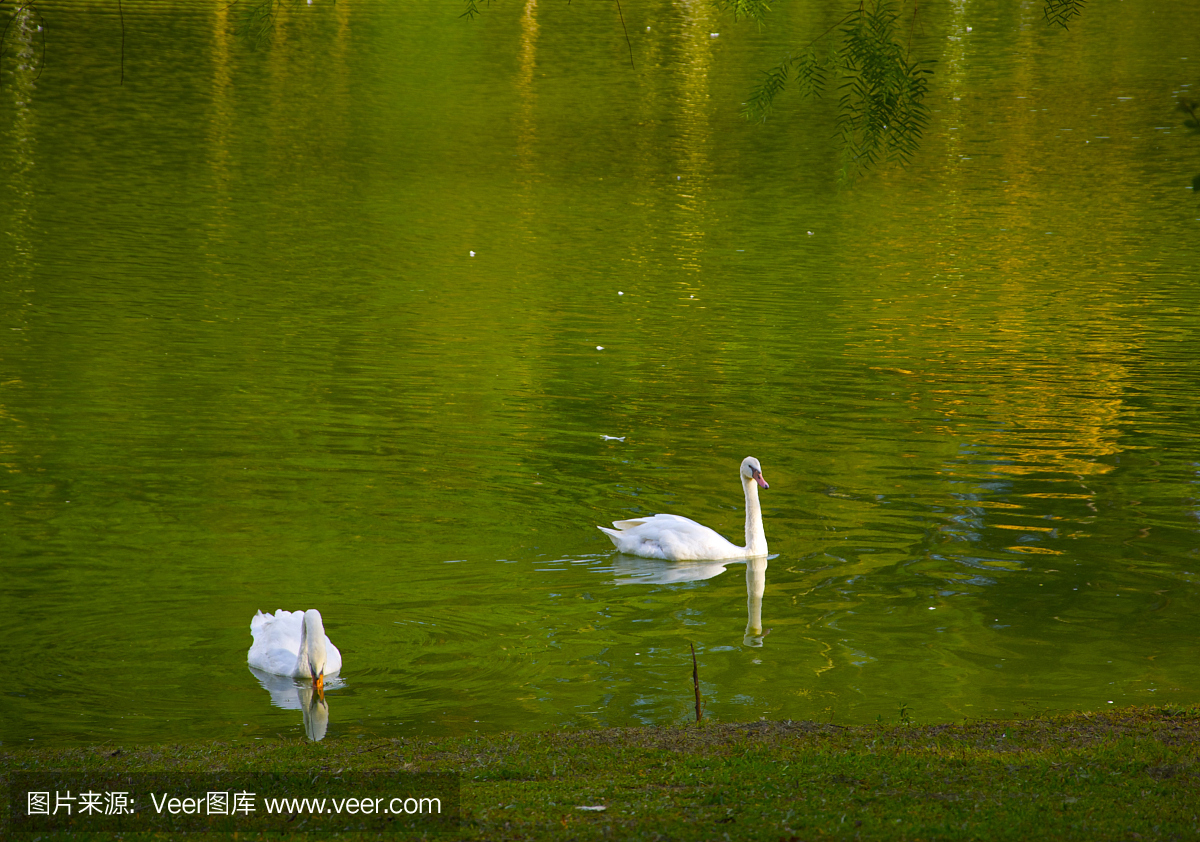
276 645
272 659
658 521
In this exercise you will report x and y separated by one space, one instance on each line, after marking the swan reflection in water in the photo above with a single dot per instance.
291 694
295 661
634 570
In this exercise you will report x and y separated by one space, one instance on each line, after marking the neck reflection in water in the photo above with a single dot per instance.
634 570
291 694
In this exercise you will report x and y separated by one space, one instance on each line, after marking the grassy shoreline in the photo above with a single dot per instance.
1124 774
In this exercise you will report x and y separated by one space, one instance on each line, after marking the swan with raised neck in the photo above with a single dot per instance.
677 538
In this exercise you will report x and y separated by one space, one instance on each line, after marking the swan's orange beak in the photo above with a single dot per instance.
758 477
319 684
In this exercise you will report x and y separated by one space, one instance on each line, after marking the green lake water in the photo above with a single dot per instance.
344 322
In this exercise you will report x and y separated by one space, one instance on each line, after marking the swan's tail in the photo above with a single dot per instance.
615 534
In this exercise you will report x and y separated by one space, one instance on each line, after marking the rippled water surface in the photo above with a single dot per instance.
345 322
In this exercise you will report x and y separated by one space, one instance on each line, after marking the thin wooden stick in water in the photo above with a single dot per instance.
696 680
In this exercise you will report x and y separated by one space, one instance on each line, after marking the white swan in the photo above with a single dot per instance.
293 643
680 539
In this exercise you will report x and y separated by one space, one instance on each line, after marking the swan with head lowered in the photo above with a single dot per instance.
677 538
293 643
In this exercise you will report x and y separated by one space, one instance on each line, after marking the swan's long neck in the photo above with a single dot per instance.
311 662
756 539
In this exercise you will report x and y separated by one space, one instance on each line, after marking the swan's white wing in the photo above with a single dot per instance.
276 646
671 537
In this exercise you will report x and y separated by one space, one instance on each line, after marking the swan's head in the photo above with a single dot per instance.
752 472
312 647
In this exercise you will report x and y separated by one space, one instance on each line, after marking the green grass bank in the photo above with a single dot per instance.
1125 774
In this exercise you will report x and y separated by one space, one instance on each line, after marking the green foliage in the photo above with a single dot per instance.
882 110
1061 11
762 98
473 8
809 71
810 74
755 10
257 21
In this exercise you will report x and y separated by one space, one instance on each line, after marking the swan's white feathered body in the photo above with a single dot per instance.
678 538
293 643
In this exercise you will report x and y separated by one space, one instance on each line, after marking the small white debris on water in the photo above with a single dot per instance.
714 35
620 293
599 808
810 233
612 438
599 347
472 254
